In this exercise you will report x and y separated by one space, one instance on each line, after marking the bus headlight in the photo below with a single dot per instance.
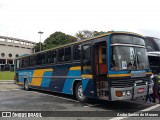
124 93
128 93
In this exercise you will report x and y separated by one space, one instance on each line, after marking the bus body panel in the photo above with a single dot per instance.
61 77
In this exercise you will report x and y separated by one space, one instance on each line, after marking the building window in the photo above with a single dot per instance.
10 55
2 54
16 55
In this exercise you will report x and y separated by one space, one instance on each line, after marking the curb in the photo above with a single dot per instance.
6 81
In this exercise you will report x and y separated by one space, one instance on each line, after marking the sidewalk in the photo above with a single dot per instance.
6 81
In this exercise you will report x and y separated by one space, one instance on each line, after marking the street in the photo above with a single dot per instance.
14 98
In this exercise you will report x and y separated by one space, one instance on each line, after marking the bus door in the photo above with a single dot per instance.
86 71
100 70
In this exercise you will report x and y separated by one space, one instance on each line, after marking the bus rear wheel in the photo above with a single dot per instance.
26 85
79 93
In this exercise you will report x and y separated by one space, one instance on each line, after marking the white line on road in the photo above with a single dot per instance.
2 90
151 108
147 109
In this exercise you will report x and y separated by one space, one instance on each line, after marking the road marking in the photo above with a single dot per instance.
147 109
3 90
151 108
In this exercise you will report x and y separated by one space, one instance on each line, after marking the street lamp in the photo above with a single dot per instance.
40 32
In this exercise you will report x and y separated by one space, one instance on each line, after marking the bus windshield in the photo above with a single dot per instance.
128 58
157 42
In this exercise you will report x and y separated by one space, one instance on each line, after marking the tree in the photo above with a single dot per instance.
54 40
37 47
84 34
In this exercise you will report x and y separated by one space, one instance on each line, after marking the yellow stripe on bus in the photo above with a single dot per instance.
75 68
19 83
38 74
79 68
87 76
148 73
48 70
119 75
37 81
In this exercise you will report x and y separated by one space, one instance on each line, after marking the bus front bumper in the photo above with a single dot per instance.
130 92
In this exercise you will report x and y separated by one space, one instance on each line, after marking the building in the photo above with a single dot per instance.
10 48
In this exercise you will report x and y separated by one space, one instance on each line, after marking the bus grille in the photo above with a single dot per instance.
128 82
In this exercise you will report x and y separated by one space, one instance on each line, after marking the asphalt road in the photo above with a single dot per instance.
14 98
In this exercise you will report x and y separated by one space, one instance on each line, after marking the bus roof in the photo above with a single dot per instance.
99 36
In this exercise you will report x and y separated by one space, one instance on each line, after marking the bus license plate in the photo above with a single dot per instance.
140 90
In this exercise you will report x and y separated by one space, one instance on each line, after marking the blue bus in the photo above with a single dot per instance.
113 66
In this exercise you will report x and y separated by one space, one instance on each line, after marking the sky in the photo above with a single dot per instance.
25 18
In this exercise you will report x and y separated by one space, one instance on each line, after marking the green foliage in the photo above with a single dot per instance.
37 47
84 34
7 75
57 39
60 38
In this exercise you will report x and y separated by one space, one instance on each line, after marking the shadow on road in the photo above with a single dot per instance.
128 105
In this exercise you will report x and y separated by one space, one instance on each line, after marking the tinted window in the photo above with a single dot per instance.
138 41
61 55
126 39
48 57
86 62
41 58
77 52
67 54
86 52
54 56
26 62
51 57
33 60
121 39
20 63
150 44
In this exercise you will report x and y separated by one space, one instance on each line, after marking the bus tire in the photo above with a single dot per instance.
26 85
79 94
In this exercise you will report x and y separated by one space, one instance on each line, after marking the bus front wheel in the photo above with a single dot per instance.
26 85
79 93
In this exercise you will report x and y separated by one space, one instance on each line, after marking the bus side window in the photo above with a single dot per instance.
54 56
61 55
77 52
26 61
86 59
67 57
33 60
41 59
48 57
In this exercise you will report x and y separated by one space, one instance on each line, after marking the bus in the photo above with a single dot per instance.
153 49
152 44
112 67
154 61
